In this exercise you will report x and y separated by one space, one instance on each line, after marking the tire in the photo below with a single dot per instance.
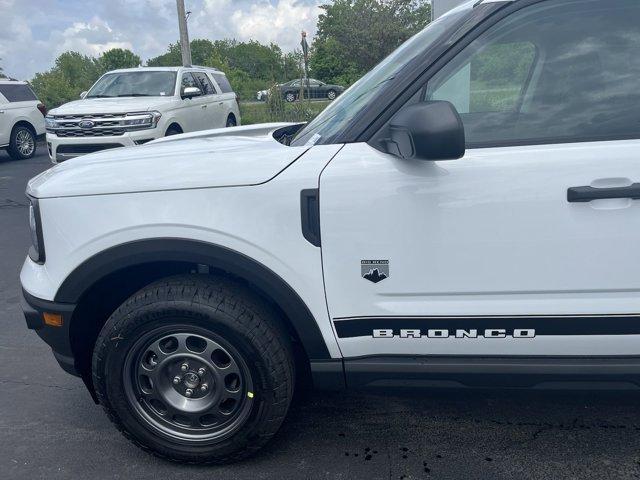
244 349
172 130
331 95
22 144
231 121
290 97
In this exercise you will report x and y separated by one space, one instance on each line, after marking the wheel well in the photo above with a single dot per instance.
101 299
24 123
174 126
232 115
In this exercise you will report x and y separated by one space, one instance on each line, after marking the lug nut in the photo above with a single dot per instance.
177 379
184 367
204 387
189 392
201 371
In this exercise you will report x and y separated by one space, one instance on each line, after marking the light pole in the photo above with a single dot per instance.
185 47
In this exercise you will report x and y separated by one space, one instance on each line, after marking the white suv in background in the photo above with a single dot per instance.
21 119
134 106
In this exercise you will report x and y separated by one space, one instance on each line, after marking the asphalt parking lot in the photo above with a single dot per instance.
51 429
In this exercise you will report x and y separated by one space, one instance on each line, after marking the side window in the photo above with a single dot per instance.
188 80
541 77
17 92
205 84
223 82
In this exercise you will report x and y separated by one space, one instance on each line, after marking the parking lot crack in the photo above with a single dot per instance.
36 384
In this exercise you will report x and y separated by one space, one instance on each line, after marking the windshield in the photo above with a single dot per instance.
337 116
134 84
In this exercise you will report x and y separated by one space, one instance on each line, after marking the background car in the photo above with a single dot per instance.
136 105
21 119
317 90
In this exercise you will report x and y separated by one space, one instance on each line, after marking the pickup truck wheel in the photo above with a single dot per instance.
22 144
195 369
290 97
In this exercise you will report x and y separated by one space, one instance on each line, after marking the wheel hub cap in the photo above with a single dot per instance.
187 385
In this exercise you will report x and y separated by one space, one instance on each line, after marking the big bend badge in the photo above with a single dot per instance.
374 270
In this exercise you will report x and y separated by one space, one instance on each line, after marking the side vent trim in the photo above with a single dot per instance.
310 215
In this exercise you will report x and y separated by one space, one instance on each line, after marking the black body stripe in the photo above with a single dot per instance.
547 325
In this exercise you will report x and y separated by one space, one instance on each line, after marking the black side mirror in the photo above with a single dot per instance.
427 131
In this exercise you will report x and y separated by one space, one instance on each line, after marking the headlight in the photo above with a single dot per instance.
36 252
50 123
141 120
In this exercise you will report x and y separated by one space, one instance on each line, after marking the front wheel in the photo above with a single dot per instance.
22 144
195 369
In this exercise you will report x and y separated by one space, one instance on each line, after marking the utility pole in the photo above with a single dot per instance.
185 46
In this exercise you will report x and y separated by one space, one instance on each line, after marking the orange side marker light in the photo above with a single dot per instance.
52 319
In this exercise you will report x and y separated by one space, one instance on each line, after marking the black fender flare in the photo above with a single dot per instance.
140 252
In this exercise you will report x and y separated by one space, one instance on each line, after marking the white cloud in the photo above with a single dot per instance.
36 31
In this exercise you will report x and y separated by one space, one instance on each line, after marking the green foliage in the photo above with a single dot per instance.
74 73
252 113
354 35
118 58
249 66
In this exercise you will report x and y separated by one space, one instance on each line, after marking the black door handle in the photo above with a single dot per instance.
586 194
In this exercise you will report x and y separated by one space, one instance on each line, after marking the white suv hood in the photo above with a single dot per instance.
214 158
110 105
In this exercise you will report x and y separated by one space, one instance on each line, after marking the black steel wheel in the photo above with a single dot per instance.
187 383
196 369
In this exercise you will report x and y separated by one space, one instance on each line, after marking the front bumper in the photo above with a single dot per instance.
64 148
56 337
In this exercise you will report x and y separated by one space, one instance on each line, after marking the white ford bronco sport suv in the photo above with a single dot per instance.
467 212
21 119
136 105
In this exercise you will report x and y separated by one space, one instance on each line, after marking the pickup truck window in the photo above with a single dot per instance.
134 84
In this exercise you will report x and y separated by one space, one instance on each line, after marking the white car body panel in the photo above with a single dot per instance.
491 234
225 157
261 222
191 114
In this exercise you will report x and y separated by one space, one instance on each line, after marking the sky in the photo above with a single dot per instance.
35 32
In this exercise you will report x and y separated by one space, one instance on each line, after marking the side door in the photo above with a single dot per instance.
528 245
214 111
193 113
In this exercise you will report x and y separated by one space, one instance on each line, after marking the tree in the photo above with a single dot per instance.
71 74
117 58
354 35
2 75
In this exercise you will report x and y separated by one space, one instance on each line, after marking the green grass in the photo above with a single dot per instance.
252 113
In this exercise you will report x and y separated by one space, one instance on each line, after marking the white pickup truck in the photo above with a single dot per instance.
467 214
134 106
